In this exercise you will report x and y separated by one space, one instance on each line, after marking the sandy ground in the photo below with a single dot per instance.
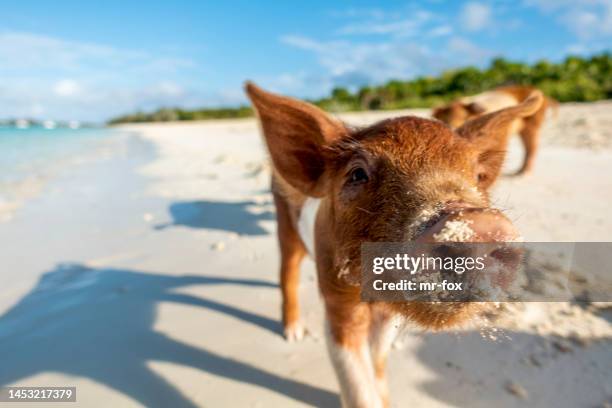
150 278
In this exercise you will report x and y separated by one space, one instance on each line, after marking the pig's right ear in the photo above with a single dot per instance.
296 133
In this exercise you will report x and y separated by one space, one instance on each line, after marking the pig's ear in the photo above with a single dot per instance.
489 134
296 133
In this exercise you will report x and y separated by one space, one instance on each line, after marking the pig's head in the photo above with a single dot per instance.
457 113
400 180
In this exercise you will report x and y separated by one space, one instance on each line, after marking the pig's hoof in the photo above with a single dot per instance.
294 331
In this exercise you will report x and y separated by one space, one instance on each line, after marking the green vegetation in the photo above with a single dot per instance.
575 79
172 114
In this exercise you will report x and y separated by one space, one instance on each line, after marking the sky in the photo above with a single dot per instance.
86 60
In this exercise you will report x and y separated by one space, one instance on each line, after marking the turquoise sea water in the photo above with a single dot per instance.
33 155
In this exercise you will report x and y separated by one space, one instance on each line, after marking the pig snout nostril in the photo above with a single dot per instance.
509 257
504 263
443 251
451 251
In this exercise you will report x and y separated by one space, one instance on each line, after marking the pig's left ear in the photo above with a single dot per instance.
489 134
297 134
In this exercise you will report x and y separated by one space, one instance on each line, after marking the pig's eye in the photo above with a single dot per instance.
358 176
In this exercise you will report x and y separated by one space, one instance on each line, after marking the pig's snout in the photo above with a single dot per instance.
471 225
484 234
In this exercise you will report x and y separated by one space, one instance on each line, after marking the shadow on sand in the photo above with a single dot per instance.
240 217
472 370
98 324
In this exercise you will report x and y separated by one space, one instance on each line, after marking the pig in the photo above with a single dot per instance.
458 112
399 180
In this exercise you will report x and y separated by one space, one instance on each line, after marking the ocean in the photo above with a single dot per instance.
30 157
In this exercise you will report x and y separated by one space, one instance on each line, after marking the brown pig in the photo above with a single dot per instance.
399 180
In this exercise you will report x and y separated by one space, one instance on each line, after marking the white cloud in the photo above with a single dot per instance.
401 28
587 24
169 89
587 19
588 48
360 12
30 51
88 100
395 24
376 46
66 87
353 64
582 22
64 79
468 50
302 42
550 5
476 16
440 31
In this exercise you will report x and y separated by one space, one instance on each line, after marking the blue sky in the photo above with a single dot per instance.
93 60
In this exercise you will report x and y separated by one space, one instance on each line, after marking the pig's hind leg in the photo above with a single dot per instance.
530 135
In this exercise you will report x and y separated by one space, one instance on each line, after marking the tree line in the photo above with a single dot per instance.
575 79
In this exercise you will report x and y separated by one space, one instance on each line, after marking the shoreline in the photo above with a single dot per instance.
17 193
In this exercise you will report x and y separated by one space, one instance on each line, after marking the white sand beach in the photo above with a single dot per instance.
149 278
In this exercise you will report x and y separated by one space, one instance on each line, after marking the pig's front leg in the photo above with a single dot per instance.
384 329
347 341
